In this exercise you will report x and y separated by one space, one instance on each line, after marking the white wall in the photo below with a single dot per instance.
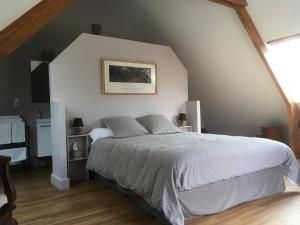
10 10
75 82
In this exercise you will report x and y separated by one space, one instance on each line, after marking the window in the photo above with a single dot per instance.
284 58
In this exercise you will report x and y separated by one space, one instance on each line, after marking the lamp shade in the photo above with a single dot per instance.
182 117
77 122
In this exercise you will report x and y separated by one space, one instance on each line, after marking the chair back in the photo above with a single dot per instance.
9 191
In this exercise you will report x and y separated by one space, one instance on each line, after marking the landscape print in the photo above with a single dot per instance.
127 74
125 77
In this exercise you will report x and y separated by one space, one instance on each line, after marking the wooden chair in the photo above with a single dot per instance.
8 198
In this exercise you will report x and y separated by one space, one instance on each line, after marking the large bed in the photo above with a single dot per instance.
187 175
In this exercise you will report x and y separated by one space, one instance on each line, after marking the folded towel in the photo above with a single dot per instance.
5 133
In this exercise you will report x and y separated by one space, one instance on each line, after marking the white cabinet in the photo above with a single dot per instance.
12 135
44 147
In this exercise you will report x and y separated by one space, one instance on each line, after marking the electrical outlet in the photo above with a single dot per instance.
17 102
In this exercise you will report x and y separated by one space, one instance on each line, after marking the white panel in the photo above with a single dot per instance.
5 133
75 80
16 154
44 139
58 139
18 132
194 115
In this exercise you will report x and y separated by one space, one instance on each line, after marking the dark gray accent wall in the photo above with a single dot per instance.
56 36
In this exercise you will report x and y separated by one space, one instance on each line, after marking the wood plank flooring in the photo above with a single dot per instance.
39 203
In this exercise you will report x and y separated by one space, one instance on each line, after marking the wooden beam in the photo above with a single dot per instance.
293 119
28 24
231 3
293 111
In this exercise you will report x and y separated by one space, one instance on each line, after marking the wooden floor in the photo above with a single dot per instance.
39 203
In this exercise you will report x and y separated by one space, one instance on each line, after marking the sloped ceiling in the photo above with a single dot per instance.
225 72
10 10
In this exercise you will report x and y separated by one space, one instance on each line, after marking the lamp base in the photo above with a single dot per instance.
181 123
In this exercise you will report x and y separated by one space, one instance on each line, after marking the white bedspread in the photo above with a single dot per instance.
157 167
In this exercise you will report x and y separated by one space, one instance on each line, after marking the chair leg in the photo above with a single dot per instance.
10 221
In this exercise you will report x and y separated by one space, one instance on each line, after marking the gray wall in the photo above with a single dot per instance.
15 70
225 72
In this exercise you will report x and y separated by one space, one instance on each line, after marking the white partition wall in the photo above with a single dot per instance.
75 82
194 115
59 176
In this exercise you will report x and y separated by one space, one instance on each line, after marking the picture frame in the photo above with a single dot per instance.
128 77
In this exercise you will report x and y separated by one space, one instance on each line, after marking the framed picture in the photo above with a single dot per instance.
123 77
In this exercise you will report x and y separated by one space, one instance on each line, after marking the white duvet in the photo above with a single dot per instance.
157 167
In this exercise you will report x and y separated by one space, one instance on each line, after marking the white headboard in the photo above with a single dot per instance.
75 80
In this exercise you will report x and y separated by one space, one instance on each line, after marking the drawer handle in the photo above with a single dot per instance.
45 126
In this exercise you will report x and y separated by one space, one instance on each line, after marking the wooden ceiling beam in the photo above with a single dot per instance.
292 109
14 35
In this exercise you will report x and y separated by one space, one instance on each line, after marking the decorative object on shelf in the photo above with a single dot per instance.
122 77
273 133
96 29
40 114
77 126
182 119
77 153
204 130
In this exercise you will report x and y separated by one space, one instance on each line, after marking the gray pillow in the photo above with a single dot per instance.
124 126
158 124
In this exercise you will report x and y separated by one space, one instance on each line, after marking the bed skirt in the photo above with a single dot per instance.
216 197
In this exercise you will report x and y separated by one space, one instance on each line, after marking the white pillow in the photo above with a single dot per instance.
98 133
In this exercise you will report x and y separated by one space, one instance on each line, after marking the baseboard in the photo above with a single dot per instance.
60 183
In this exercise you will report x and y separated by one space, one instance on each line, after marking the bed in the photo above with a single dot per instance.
187 175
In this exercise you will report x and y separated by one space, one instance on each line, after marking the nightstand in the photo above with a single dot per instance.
77 159
186 128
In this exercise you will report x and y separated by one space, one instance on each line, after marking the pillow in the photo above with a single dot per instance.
158 124
124 126
98 133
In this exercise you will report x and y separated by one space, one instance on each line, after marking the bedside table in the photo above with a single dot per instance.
186 128
77 159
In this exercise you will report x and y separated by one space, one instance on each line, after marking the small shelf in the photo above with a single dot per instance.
77 165
77 135
78 159
186 128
